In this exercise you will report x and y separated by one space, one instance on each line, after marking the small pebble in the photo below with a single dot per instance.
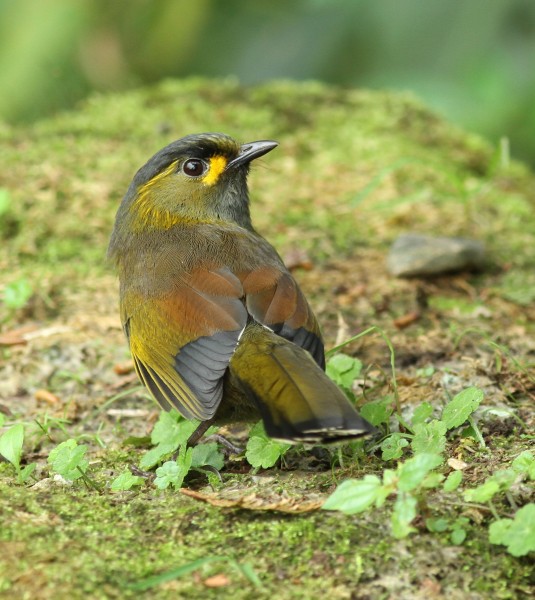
413 255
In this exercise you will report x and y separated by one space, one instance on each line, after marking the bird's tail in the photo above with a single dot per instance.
295 398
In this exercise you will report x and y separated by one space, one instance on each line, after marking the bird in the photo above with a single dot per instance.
217 326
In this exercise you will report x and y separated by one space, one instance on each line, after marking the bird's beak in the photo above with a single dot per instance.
250 151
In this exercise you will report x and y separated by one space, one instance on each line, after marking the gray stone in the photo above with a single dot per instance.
413 255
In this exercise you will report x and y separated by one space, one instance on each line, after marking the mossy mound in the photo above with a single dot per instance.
354 169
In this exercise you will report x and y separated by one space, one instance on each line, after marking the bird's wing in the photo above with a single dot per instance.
182 342
274 299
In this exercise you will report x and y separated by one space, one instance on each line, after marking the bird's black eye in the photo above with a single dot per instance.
194 167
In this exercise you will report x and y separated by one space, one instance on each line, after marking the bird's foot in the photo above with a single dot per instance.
228 447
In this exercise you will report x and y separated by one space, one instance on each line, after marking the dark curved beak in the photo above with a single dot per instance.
250 151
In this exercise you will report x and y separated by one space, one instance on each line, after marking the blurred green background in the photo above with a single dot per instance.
472 60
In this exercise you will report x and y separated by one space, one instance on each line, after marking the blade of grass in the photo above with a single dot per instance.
124 394
150 582
246 569
375 329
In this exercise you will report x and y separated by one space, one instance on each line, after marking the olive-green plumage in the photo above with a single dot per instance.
217 326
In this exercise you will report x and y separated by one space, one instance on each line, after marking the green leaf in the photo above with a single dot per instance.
17 293
67 459
169 433
413 471
432 480
392 446
5 201
425 372
505 478
172 429
429 437
458 536
354 495
453 481
169 473
11 443
390 478
499 531
457 411
517 534
403 515
483 492
343 369
207 455
26 473
503 413
390 483
378 411
437 525
156 455
421 413
174 472
257 430
264 452
125 481
525 463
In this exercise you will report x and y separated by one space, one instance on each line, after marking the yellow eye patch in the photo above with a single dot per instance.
217 166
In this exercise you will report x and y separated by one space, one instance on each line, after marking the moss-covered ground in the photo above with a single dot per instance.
354 169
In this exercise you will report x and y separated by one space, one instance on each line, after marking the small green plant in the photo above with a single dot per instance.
343 370
408 485
169 436
125 481
455 528
263 451
16 294
44 427
424 435
68 460
11 443
200 457
173 472
518 534
407 482
169 433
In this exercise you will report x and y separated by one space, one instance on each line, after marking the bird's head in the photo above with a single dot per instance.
198 178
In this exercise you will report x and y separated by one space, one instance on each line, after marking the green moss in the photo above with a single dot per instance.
389 155
70 541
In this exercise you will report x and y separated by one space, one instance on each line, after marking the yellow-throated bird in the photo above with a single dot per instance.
217 326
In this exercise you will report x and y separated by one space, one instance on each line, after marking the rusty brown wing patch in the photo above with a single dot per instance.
182 342
274 299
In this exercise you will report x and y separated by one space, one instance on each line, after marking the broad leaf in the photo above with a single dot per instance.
354 495
457 411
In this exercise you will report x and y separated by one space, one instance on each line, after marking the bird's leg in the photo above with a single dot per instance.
229 446
139 473
199 432
203 428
